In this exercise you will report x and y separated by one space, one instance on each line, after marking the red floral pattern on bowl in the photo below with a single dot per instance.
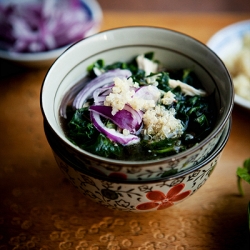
160 201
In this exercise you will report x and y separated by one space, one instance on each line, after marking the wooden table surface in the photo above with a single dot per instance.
39 209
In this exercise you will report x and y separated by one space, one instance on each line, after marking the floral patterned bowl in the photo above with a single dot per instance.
141 196
122 45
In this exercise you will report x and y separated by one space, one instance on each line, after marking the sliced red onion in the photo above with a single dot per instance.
112 134
100 94
150 92
102 80
124 119
70 96
36 26
137 116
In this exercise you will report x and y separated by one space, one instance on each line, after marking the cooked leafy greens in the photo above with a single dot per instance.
196 113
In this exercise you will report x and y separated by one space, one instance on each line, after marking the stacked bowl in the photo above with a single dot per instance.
132 185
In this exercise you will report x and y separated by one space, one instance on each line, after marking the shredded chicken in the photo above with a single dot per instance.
186 89
147 65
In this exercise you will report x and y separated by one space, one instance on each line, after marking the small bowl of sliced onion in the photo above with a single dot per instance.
34 33
137 104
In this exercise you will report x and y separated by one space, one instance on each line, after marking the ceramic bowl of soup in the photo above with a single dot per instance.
173 79
140 196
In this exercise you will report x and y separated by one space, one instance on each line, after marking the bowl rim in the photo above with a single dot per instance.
216 152
172 158
97 16
213 39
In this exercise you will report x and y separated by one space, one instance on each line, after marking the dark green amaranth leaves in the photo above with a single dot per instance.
81 131
105 147
195 112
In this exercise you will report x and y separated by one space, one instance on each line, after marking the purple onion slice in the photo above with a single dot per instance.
112 134
126 118
104 79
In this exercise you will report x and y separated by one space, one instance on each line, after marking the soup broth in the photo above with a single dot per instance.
137 110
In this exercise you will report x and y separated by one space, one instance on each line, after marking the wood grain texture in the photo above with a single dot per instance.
39 209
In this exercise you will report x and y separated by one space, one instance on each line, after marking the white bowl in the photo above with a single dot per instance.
46 58
175 51
228 41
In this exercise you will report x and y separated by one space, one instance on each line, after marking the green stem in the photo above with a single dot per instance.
239 184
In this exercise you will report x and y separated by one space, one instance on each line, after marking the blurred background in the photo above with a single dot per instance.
177 5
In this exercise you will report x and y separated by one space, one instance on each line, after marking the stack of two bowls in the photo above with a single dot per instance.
138 185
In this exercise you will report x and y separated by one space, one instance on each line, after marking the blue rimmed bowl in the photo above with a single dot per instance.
46 58
227 43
